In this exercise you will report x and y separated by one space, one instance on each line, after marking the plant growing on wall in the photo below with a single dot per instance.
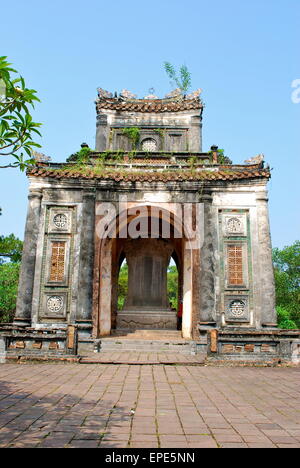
82 156
183 81
222 159
133 133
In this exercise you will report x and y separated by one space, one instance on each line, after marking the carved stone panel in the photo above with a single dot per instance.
54 305
234 225
60 220
237 309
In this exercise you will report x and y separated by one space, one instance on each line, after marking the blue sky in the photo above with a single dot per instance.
244 55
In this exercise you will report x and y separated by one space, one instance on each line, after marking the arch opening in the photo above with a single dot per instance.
146 304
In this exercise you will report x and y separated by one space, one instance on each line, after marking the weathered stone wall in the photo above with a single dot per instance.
240 222
232 215
172 131
271 346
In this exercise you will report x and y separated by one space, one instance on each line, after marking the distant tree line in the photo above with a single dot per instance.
287 282
10 261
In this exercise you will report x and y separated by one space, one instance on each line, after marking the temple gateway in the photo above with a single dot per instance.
150 196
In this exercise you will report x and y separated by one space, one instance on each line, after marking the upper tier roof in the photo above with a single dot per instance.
127 102
152 167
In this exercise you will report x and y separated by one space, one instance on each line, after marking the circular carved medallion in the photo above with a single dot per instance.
55 303
234 225
60 220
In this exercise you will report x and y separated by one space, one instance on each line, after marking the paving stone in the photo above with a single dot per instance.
260 445
288 445
203 444
222 438
105 405
83 444
145 444
233 445
114 444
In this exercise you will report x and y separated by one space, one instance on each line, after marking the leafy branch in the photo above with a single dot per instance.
183 81
17 128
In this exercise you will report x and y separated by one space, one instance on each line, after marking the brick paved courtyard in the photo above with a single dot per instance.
118 406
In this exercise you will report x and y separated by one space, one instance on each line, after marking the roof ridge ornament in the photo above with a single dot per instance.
102 93
126 94
174 94
40 157
151 94
194 94
259 159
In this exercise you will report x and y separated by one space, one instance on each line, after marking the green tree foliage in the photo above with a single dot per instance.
122 285
133 133
172 278
10 248
16 124
9 277
287 283
183 81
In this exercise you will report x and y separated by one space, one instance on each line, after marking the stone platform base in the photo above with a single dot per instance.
147 319
260 346
18 343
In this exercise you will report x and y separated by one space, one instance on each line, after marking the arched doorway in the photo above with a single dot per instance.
174 282
147 304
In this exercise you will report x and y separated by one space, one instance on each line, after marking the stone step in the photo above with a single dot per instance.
147 334
150 345
143 358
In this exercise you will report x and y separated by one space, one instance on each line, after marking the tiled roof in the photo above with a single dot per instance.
222 173
149 105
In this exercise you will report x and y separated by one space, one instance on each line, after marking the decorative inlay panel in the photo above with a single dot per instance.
235 265
57 269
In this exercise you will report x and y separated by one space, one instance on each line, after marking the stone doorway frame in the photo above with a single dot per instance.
106 270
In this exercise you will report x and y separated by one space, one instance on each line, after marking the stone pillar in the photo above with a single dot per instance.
86 264
268 312
26 281
101 133
2 349
195 142
187 312
105 288
207 266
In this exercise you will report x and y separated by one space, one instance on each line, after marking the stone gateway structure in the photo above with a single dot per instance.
148 194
